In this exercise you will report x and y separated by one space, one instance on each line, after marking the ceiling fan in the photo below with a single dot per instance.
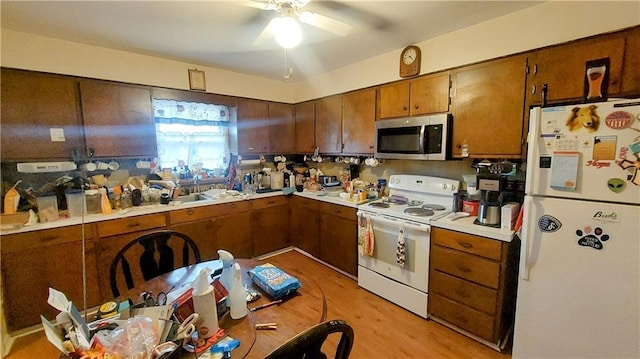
285 27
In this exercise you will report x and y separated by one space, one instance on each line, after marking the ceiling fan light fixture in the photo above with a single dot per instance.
288 32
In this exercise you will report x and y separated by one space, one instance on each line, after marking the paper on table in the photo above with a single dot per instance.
158 314
53 334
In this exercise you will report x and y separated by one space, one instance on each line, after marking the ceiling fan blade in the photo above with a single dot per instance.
259 4
268 33
326 23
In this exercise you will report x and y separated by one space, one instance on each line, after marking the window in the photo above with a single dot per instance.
195 133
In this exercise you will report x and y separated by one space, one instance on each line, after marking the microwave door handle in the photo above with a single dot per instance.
423 130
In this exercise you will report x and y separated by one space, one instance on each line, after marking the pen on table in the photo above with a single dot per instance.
266 326
266 305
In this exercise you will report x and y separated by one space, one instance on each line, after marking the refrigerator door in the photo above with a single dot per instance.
582 295
599 161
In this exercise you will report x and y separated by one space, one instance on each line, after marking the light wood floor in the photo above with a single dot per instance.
382 329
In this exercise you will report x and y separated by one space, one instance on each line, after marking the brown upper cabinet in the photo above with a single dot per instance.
40 118
281 128
358 121
488 105
253 126
118 120
423 95
329 124
563 69
305 127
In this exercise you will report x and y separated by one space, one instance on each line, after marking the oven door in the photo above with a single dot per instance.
386 231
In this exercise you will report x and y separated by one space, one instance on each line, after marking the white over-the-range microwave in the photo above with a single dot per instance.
414 138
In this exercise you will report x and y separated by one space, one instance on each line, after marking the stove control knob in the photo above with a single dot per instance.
445 186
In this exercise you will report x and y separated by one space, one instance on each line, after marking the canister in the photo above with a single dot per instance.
47 207
75 202
94 204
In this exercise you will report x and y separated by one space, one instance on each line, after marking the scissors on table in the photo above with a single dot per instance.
186 328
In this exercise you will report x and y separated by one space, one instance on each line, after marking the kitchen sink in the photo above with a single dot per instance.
192 197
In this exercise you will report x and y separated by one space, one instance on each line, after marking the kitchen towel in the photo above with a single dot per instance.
400 255
362 233
369 240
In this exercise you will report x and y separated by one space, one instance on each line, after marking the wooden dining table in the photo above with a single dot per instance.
294 314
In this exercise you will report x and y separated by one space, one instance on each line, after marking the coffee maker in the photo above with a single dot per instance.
491 188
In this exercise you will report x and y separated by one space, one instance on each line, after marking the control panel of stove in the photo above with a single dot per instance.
423 184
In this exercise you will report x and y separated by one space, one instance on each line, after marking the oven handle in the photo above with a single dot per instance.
397 222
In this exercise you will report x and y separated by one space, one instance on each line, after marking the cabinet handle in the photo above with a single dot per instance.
462 292
133 225
271 202
465 245
463 268
250 149
458 146
47 239
234 205
416 107
404 108
535 69
459 318
533 89
190 212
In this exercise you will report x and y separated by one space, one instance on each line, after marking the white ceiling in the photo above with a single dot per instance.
221 34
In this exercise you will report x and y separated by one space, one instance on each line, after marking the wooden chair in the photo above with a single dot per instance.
157 256
308 344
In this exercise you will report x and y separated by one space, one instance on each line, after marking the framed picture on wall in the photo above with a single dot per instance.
196 80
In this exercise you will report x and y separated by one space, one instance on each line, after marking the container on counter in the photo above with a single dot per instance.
471 207
75 202
93 200
47 207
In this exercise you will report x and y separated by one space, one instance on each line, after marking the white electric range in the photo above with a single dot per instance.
412 203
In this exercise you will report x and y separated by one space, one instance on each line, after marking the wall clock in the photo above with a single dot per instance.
410 61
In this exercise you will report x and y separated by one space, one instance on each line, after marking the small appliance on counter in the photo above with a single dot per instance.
491 196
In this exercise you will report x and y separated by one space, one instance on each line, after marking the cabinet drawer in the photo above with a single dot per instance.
269 202
131 224
462 291
190 214
50 237
337 210
462 316
302 202
469 243
224 209
461 265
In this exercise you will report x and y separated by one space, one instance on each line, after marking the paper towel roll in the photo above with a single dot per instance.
205 305
250 163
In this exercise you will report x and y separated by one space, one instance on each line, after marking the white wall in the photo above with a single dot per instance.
542 25
548 23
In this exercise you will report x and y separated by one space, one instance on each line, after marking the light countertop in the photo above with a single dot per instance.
174 205
466 225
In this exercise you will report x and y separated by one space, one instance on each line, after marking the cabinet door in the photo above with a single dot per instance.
203 233
339 242
305 127
253 126
393 100
358 122
429 94
270 228
305 225
631 67
118 120
27 276
562 68
234 234
281 128
329 124
488 108
40 118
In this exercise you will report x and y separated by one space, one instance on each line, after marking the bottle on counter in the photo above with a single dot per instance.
105 204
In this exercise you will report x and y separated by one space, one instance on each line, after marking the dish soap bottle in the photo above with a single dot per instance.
227 272
238 295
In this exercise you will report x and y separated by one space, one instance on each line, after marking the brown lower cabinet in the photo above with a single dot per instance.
473 283
34 261
305 224
339 237
270 224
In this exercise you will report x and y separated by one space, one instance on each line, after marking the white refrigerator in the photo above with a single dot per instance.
579 279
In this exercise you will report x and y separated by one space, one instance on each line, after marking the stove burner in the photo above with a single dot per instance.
418 211
379 205
435 207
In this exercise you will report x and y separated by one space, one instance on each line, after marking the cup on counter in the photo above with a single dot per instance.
102 165
113 165
89 166
143 164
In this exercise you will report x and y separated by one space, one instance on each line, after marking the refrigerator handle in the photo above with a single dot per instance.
532 142
526 238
